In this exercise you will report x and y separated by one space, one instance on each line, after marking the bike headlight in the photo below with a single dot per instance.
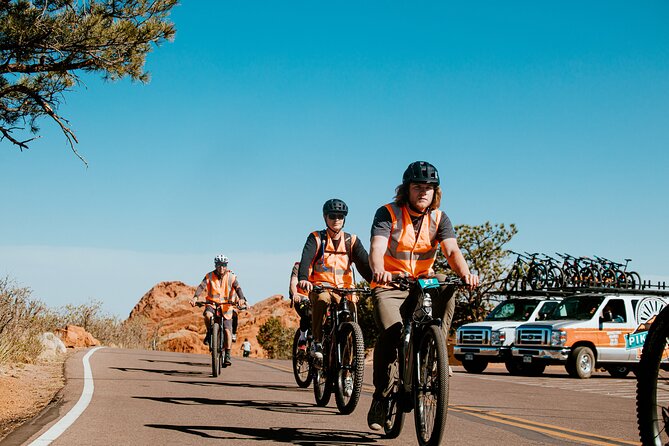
558 338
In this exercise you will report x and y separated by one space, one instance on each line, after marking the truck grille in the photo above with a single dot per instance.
533 336
474 336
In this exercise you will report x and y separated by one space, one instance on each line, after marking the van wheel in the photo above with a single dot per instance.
618 371
515 368
475 365
581 363
536 369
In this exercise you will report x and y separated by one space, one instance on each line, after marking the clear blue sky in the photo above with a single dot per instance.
550 115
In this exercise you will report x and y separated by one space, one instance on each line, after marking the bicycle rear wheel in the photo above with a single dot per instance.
322 380
652 387
215 344
430 390
301 370
350 375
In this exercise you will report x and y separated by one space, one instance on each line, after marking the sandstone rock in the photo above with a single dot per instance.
52 346
174 325
74 336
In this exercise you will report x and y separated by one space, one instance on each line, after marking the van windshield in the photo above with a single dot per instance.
513 310
577 307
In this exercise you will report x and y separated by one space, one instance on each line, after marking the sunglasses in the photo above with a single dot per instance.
336 216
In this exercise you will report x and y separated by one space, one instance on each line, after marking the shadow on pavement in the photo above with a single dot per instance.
163 372
292 387
300 436
270 406
194 364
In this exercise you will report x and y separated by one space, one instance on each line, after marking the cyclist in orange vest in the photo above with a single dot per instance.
326 260
405 237
220 286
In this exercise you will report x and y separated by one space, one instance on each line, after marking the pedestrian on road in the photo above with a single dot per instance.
246 347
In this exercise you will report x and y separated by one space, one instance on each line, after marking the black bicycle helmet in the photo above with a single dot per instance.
335 206
421 172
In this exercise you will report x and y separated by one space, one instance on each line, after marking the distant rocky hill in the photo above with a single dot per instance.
174 325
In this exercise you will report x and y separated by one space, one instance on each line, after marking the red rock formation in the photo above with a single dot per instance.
176 326
74 336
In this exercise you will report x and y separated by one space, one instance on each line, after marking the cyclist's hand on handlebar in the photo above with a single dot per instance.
382 277
472 280
193 302
305 285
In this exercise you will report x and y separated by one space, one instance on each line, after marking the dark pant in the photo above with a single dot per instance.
387 302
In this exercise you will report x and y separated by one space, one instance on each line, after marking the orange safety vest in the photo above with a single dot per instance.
407 251
219 290
334 265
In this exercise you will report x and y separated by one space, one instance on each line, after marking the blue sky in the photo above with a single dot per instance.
549 115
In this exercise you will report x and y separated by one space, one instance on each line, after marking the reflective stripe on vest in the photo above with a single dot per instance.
220 291
407 251
334 266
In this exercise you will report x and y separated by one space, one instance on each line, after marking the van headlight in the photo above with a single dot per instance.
558 338
497 337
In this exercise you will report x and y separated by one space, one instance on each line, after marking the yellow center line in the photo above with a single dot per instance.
548 429
555 431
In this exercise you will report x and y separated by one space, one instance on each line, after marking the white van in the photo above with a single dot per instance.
589 330
480 343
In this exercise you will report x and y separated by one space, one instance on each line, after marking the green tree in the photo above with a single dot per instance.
45 45
276 339
365 309
483 249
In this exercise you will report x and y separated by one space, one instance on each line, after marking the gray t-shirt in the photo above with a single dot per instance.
383 224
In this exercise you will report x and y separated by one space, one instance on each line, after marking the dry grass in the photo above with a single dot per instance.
23 319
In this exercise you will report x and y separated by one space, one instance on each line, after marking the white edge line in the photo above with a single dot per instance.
61 426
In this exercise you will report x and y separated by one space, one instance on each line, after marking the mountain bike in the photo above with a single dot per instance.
217 340
302 363
419 381
343 364
652 388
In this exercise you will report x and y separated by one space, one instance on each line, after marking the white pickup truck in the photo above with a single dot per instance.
480 343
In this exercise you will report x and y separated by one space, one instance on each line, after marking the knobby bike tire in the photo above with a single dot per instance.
301 368
430 388
322 380
651 385
214 344
537 277
555 277
394 406
351 371
633 280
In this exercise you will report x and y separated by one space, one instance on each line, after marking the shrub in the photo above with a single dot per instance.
276 339
19 323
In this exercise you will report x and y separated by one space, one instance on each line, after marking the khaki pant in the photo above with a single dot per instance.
387 302
319 305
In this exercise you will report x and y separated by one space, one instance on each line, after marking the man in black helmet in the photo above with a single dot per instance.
406 235
326 260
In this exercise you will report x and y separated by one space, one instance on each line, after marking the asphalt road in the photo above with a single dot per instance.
146 397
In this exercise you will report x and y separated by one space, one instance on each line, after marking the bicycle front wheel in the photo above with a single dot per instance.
430 390
350 374
652 386
301 370
215 344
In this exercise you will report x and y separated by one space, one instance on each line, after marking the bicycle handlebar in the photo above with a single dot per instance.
201 303
341 290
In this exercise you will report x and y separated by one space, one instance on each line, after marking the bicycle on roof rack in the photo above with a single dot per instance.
420 373
343 366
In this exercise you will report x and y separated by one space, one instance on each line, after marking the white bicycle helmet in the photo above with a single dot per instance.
220 260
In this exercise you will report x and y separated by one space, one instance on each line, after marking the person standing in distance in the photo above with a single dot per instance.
405 237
